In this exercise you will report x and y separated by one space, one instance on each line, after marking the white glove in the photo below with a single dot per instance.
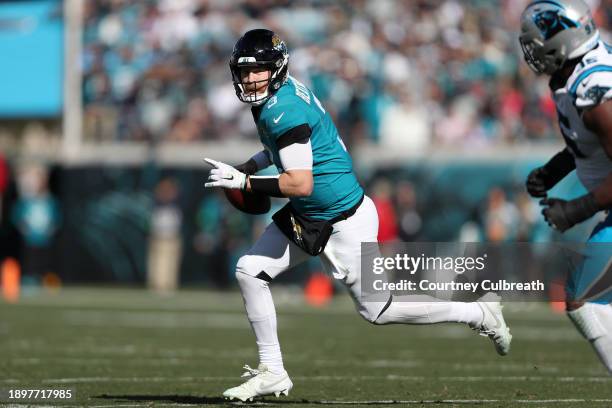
224 175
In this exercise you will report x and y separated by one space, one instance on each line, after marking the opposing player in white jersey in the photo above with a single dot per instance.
325 201
559 39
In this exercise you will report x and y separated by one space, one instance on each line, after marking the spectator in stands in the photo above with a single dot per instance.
165 240
211 239
500 217
528 216
381 194
36 215
409 220
5 241
150 65
4 181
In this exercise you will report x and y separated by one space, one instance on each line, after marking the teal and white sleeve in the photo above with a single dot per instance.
295 148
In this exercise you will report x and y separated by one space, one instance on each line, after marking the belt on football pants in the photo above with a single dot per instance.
347 213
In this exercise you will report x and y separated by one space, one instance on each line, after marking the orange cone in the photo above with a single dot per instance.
318 290
556 293
51 282
11 280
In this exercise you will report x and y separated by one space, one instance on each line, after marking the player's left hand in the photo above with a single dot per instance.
224 175
563 215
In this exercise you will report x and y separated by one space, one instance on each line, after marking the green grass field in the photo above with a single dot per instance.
119 347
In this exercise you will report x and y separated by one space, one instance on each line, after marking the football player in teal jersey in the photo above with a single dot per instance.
328 215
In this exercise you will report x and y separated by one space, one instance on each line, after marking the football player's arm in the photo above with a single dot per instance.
259 161
599 121
562 214
542 179
295 153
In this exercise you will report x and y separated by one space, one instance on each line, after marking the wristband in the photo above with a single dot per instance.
560 166
268 185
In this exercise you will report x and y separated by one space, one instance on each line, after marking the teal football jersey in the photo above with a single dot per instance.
336 188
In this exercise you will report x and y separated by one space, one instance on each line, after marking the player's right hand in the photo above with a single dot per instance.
226 176
539 182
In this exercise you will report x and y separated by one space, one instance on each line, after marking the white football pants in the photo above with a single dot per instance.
274 253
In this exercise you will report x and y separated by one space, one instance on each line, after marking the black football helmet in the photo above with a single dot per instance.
259 48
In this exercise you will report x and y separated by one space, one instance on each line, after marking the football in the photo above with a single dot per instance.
250 203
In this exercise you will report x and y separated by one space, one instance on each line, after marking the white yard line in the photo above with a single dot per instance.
128 379
450 401
114 405
194 359
355 402
390 377
454 401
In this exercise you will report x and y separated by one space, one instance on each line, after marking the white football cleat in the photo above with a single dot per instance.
261 382
493 324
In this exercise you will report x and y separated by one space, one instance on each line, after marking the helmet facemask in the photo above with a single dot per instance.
262 50
540 61
241 86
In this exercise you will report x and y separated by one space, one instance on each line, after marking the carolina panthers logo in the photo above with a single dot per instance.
596 93
551 22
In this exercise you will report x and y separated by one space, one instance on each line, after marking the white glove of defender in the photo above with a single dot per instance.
224 175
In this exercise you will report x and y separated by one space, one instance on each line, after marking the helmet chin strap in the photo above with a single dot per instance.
255 98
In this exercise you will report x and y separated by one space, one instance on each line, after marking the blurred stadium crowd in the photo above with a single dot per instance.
413 74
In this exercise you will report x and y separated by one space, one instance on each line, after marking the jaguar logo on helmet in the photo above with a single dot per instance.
276 41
